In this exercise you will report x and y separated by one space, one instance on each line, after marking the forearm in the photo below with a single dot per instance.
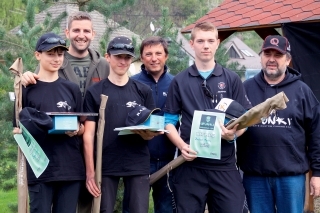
174 136
88 149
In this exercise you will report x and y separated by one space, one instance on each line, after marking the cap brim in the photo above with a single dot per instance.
152 111
48 48
120 52
273 48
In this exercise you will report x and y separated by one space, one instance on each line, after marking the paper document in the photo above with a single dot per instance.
127 130
205 136
34 154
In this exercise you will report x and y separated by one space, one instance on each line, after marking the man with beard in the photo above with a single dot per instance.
83 66
275 154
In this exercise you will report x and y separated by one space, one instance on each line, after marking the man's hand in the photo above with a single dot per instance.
91 185
187 153
315 187
29 78
147 134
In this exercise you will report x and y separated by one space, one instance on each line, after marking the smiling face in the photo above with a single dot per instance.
80 33
205 45
50 61
154 58
274 64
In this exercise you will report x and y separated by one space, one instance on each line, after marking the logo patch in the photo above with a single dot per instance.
221 85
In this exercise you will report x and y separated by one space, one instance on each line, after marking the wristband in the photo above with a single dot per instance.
234 139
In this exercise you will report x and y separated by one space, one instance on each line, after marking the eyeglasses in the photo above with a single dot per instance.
54 40
122 46
206 90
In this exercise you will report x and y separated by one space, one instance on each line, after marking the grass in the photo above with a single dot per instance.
8 201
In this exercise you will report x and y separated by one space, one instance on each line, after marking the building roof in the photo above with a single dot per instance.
249 14
247 57
99 23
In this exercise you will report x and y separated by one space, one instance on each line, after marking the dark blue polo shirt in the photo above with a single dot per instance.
186 95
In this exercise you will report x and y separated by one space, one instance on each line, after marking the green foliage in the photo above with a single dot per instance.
178 60
11 13
8 147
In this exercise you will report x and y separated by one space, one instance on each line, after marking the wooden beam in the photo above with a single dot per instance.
225 34
264 32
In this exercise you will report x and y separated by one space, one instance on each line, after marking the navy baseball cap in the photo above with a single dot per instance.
36 122
276 42
121 45
138 115
48 41
231 108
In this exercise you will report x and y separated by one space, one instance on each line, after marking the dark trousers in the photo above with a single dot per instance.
194 187
137 188
85 200
162 194
54 197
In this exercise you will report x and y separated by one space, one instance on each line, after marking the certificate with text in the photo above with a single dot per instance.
34 154
205 136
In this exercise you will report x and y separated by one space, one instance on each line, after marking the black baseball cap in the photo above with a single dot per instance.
48 41
36 122
276 42
121 45
230 107
138 115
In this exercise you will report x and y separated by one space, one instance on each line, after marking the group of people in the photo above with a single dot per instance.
274 155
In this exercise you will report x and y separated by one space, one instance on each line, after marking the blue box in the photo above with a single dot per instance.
63 123
155 121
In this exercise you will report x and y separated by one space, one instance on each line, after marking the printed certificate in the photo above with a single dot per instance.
34 154
205 136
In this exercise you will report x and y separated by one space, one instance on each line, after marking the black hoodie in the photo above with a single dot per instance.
286 142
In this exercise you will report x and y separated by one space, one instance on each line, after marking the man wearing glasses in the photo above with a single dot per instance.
201 180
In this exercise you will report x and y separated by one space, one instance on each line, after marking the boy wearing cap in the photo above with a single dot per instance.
57 188
81 65
198 181
275 154
124 156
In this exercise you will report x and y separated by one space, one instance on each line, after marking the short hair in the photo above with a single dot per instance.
154 40
204 26
78 16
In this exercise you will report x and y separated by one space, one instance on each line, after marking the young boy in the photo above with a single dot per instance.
57 188
124 156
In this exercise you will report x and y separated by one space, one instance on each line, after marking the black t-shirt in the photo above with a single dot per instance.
128 154
186 95
65 156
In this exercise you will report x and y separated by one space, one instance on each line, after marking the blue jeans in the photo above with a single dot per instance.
280 194
163 199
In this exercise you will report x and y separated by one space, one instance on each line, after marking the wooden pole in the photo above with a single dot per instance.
100 132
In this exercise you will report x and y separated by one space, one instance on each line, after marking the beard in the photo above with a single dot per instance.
274 75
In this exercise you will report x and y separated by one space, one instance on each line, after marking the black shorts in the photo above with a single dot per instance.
221 190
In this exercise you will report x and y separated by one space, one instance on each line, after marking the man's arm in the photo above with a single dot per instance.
187 153
88 146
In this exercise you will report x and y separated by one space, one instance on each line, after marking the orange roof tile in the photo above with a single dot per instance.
244 13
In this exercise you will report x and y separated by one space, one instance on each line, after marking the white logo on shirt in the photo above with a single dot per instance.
63 104
131 104
164 94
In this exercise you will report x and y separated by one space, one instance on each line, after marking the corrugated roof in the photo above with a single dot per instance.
246 14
